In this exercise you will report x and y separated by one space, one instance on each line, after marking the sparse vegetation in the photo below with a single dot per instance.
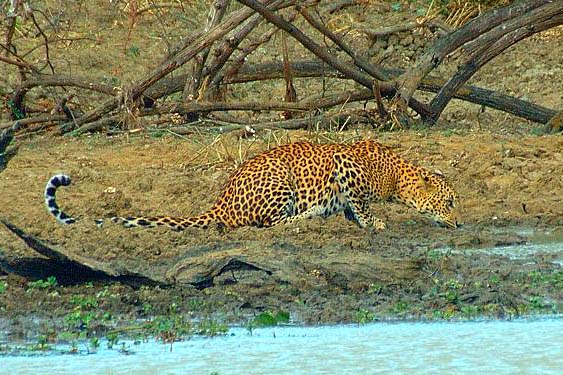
268 319
364 316
3 286
49 283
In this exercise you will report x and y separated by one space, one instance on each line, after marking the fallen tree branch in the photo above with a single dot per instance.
228 47
134 92
335 6
274 70
196 47
411 79
499 40
387 89
310 68
47 80
25 122
233 68
374 70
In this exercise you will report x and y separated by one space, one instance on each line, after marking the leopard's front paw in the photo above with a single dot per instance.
378 224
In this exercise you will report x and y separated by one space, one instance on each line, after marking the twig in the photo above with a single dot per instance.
335 6
187 54
290 92
45 40
233 68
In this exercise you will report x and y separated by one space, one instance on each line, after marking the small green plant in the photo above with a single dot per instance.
494 280
537 303
73 347
196 305
470 311
50 282
375 288
86 317
174 326
84 302
364 316
400 307
554 278
269 318
537 132
134 51
112 339
451 296
147 309
435 255
448 133
94 344
211 328
42 344
125 349
452 290
16 113
438 314
3 287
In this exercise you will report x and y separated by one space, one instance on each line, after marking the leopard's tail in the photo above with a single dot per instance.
175 223
50 191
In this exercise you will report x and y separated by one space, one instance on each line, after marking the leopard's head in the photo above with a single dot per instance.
433 197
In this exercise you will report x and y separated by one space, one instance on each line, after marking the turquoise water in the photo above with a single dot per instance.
485 347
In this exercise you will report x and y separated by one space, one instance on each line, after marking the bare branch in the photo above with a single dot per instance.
410 80
193 84
495 42
349 71
374 70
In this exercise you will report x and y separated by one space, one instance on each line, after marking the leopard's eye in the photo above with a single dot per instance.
450 203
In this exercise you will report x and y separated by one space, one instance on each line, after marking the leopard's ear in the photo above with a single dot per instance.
424 183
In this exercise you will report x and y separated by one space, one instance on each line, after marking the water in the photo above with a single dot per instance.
545 243
485 347
518 251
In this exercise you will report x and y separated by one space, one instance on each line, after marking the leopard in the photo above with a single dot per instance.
302 180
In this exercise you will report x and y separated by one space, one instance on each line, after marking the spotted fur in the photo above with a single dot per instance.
302 180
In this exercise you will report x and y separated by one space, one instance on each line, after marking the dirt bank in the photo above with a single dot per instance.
320 271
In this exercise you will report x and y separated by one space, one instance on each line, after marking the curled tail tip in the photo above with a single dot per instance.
50 201
60 179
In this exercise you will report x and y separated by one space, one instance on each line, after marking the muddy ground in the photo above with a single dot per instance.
320 271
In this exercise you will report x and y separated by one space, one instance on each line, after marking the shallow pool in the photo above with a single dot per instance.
485 347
